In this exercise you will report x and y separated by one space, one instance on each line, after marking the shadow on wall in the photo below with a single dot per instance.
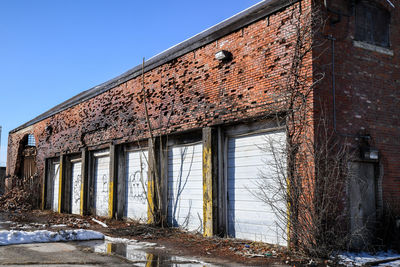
2 179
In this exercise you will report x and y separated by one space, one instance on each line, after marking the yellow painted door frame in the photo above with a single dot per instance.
60 184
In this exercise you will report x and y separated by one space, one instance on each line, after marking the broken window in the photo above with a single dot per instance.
372 23
31 140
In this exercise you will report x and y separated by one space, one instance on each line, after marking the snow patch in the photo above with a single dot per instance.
132 242
43 236
361 258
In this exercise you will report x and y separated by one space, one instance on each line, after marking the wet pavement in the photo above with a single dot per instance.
108 252
92 253
140 253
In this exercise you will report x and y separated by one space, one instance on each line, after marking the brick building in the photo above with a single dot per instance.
210 98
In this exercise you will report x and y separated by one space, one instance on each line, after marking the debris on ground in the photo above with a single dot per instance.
174 240
99 222
17 199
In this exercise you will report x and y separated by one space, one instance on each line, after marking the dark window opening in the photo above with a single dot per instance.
372 24
31 140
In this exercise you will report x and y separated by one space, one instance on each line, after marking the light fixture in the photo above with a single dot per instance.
223 55
370 153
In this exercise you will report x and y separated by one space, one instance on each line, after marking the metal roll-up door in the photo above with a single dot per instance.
248 164
136 185
101 182
55 177
76 187
185 187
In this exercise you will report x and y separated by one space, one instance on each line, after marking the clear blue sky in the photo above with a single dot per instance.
51 50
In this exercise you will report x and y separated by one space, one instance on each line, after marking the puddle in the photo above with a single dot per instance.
141 253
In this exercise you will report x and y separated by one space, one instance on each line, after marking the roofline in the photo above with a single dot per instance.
236 22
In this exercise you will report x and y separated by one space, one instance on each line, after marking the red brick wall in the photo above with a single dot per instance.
194 90
367 93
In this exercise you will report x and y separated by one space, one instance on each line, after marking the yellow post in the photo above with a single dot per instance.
207 183
151 260
60 187
111 182
111 199
150 195
109 248
82 196
150 183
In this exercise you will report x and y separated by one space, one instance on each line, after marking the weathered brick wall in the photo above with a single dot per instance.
190 92
367 92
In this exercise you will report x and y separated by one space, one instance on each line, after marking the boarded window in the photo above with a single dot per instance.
372 24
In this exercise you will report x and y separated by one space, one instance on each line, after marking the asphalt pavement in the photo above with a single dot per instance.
56 254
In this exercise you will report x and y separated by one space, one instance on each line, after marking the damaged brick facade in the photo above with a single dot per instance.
194 90
366 81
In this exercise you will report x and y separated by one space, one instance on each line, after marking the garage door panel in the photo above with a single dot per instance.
102 174
247 180
248 149
190 219
188 191
262 234
248 162
249 152
195 209
253 188
270 233
55 173
188 158
184 175
192 185
187 154
186 202
194 195
245 198
136 185
251 206
264 174
270 228
255 159
185 187
76 187
188 167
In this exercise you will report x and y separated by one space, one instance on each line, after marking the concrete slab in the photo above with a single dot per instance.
55 254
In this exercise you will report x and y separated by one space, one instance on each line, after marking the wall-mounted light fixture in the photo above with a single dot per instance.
369 153
223 55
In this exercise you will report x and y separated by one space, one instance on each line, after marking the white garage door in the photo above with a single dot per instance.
248 216
55 172
185 187
136 185
76 187
101 182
